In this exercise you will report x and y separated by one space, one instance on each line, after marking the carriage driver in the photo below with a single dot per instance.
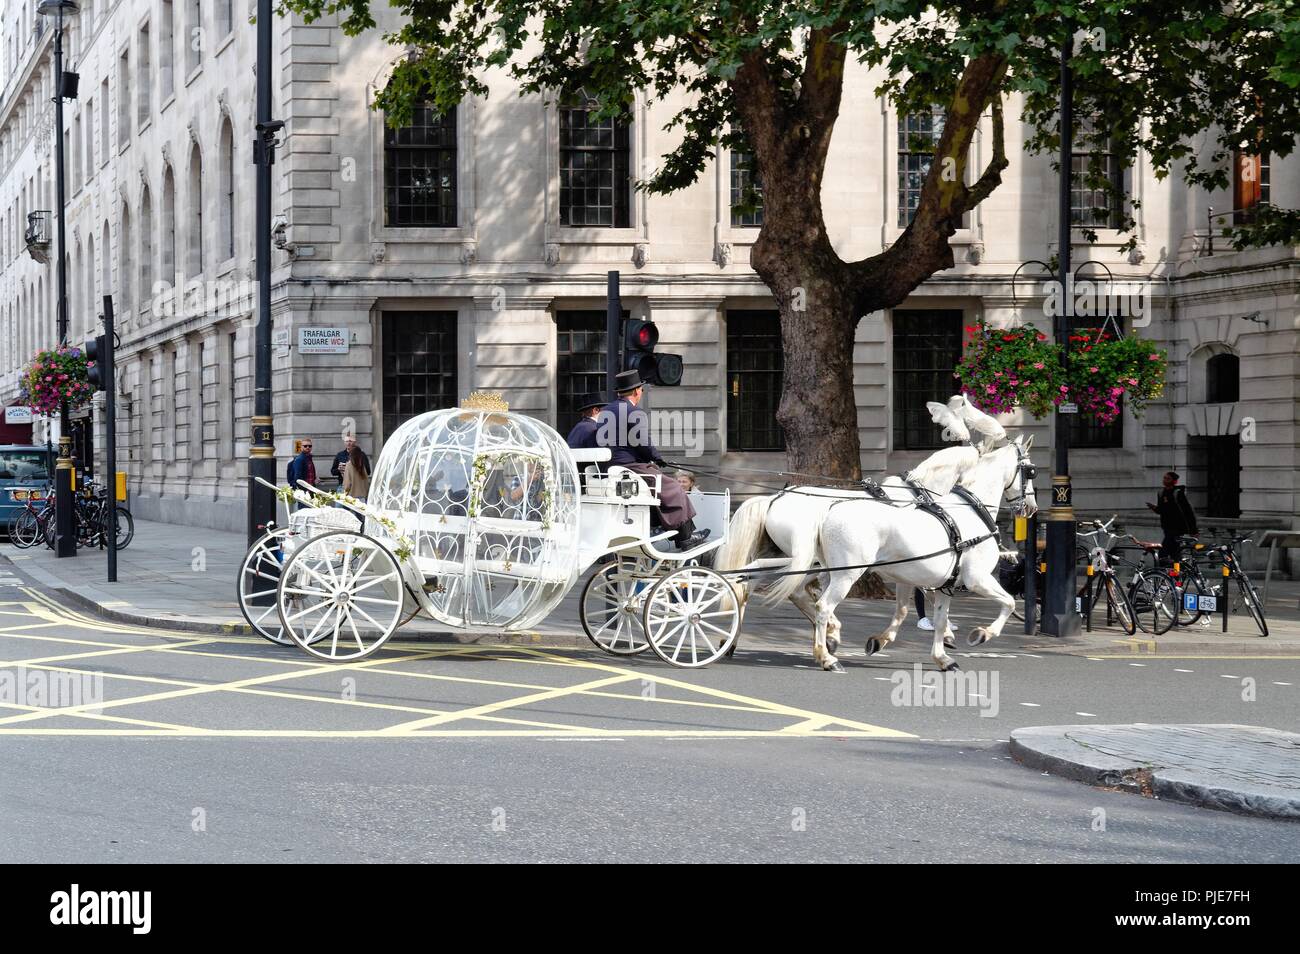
625 429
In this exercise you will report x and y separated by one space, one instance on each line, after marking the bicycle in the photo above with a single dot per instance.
28 526
1244 597
1118 605
1152 591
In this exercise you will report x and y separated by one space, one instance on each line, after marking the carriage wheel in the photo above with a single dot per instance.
259 578
340 596
610 608
692 617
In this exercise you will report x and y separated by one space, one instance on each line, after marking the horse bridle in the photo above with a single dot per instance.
1027 472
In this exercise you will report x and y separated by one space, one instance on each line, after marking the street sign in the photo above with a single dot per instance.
322 341
1068 408
1208 604
18 415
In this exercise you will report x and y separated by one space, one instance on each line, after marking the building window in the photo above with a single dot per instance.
1250 186
419 364
123 100
755 369
194 37
196 213
927 348
1085 432
124 259
746 192
1214 470
230 395
168 225
104 123
917 135
144 82
146 248
226 153
225 17
595 168
166 50
1223 379
420 171
1096 182
580 343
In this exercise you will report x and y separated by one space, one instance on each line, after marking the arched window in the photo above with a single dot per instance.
168 225
88 298
105 263
226 221
146 247
195 259
124 260
1223 379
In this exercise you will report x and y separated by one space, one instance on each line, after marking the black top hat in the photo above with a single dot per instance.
587 401
626 381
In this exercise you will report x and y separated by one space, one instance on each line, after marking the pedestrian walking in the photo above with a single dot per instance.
341 459
1177 518
356 474
302 468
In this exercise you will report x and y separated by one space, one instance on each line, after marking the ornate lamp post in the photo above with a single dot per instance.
65 542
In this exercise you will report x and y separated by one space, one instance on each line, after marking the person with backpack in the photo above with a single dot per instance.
302 468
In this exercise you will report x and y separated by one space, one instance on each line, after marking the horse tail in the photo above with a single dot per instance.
745 532
803 554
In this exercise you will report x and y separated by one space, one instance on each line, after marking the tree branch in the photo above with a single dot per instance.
991 177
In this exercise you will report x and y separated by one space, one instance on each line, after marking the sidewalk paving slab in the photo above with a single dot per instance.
1238 768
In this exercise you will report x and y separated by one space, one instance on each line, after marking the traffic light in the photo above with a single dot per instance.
639 340
96 349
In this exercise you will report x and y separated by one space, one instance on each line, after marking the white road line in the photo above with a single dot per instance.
1087 715
1032 705
1137 664
882 679
1281 683
1221 676
1184 670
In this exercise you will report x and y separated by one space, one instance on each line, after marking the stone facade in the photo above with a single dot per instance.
507 267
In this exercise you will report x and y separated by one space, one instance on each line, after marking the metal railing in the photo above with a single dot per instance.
1244 216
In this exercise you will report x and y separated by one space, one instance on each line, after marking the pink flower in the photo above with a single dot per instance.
991 389
1153 357
1038 365
1065 389
1093 370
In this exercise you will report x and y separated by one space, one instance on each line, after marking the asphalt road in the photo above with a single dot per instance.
204 748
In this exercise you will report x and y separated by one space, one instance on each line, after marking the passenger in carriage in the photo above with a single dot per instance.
624 428
584 432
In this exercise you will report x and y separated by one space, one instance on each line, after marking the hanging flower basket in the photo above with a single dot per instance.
1003 369
53 376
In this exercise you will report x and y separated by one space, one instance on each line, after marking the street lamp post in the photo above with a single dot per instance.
1059 618
65 541
261 450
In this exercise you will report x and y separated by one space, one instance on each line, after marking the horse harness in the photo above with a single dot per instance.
926 502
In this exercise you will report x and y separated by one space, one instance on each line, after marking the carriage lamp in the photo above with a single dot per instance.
626 487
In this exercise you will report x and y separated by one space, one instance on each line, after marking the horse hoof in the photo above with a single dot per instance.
873 647
834 667
951 667
978 635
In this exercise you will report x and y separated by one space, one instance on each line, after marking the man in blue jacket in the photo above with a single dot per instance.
302 468
584 432
624 428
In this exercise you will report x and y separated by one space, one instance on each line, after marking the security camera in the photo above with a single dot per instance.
280 234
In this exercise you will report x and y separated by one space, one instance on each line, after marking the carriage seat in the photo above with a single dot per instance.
604 486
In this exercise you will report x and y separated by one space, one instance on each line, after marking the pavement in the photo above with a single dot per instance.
1247 769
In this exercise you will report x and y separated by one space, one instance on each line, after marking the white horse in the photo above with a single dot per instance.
850 536
778 523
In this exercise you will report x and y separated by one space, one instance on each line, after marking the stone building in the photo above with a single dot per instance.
470 251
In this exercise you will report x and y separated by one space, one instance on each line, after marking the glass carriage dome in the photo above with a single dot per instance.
487 503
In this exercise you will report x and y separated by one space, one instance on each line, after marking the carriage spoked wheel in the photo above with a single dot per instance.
610 608
692 617
259 579
340 595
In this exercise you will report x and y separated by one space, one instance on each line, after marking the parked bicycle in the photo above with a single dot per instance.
1195 585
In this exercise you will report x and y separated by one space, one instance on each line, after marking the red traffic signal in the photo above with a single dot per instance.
639 335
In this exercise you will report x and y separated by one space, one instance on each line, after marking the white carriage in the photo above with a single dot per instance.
479 518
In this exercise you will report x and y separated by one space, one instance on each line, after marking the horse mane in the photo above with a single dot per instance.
942 470
985 462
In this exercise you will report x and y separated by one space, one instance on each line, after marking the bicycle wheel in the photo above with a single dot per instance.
1189 585
124 526
1250 599
24 529
1119 606
1155 601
